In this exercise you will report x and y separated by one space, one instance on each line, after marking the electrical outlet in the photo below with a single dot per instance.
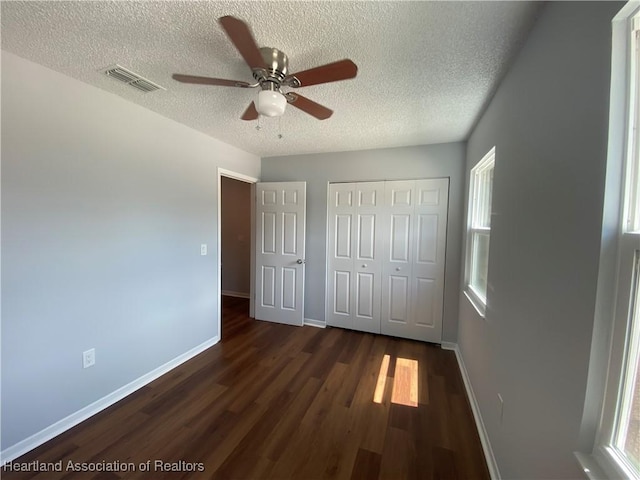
89 358
203 249
501 407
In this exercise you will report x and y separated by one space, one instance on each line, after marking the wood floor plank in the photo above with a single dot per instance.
373 418
466 438
366 466
319 409
326 459
254 440
439 413
284 378
225 445
354 374
280 437
272 401
244 465
444 464
398 457
113 434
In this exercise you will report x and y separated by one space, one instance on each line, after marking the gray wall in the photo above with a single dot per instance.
236 235
104 207
445 160
548 121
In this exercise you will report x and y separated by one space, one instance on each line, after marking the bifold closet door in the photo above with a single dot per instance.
386 253
355 255
413 267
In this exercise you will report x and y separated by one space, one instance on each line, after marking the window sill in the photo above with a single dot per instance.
603 465
479 306
590 466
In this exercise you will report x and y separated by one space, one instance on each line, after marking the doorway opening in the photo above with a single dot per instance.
235 248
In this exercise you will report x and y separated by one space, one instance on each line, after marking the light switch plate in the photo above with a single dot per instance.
203 249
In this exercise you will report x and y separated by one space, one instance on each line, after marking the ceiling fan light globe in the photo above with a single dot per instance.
270 103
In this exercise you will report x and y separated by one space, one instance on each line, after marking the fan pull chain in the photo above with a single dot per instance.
258 126
280 127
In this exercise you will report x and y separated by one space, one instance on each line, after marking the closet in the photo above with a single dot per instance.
386 256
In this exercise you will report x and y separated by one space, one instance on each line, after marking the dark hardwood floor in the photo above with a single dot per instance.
273 401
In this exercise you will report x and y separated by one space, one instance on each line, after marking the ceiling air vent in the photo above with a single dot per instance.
133 79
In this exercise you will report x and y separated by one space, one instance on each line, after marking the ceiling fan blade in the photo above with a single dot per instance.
331 72
240 35
209 81
250 113
309 106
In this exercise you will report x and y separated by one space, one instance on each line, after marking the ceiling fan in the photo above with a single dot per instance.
270 69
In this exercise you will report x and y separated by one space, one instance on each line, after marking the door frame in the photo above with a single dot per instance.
222 172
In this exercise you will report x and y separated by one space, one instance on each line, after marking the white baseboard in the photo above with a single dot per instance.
231 293
81 415
315 323
482 432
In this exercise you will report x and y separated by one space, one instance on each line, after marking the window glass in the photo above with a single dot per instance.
480 264
627 435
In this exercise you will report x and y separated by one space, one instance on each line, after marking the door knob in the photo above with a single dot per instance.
398 269
364 265
299 261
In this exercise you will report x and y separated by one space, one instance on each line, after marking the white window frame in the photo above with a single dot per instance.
624 342
478 208
631 194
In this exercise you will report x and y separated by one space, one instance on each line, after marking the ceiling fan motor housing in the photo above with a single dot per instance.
277 66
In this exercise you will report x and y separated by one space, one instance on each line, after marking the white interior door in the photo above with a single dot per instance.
340 255
398 264
279 246
354 255
413 270
368 247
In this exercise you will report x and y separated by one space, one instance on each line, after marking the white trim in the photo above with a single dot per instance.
312 322
482 432
81 415
472 296
630 208
611 464
327 227
222 172
230 293
475 208
237 176
611 320
589 466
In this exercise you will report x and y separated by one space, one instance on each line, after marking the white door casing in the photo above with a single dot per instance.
251 180
279 247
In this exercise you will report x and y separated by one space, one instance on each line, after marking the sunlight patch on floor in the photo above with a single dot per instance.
405 382
382 379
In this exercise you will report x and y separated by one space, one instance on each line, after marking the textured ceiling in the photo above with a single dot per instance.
426 69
